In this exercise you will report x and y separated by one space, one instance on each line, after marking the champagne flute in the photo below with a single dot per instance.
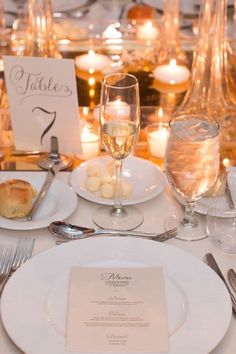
119 126
192 164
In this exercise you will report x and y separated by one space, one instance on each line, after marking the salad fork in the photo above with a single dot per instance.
6 258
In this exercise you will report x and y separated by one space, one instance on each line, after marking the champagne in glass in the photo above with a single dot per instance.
119 125
192 166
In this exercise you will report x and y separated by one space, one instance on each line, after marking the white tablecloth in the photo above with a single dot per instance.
155 211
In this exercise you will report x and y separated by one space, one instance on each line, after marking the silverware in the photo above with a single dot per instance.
6 259
68 232
49 179
23 252
229 196
27 153
210 260
232 278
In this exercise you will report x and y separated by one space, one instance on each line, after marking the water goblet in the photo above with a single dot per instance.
119 119
192 164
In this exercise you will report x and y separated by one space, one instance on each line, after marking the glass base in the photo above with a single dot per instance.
128 219
186 232
222 233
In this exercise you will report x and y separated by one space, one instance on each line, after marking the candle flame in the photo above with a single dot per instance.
85 131
148 24
160 113
91 52
91 81
85 111
172 62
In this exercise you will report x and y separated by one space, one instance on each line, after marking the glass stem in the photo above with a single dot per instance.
189 219
118 200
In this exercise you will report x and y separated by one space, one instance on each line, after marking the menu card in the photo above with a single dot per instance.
43 103
117 310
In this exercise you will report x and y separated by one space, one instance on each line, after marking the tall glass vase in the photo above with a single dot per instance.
171 74
41 41
208 91
170 47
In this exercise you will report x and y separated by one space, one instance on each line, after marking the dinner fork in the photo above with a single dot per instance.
23 252
164 236
6 258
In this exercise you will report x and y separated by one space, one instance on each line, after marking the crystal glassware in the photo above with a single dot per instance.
221 224
211 88
119 126
192 166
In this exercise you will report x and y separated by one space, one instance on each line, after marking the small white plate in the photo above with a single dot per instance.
59 203
146 179
35 299
221 207
203 207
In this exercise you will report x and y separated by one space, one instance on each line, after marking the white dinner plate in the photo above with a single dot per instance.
146 179
34 301
58 204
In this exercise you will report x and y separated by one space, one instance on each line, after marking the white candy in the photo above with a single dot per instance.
103 180
94 170
93 183
105 177
107 190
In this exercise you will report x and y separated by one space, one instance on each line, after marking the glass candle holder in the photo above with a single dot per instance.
90 142
157 136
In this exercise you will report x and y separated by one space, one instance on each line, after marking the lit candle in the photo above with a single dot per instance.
92 62
157 137
118 108
147 31
171 77
90 142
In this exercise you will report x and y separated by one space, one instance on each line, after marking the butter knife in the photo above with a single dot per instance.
47 183
210 260
232 278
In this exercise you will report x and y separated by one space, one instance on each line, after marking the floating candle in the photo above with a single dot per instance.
90 142
157 136
147 31
118 108
92 62
171 77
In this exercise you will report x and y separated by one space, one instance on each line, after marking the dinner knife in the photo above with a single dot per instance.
232 278
210 260
54 169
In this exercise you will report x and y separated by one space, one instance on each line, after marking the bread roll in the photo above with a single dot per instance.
16 198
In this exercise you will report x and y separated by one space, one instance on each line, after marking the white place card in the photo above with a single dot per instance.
117 310
43 103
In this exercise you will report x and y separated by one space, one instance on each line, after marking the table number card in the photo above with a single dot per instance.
43 103
117 310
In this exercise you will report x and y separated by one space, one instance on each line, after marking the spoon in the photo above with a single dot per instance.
68 232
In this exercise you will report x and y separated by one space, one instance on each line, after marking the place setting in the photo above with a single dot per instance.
121 239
